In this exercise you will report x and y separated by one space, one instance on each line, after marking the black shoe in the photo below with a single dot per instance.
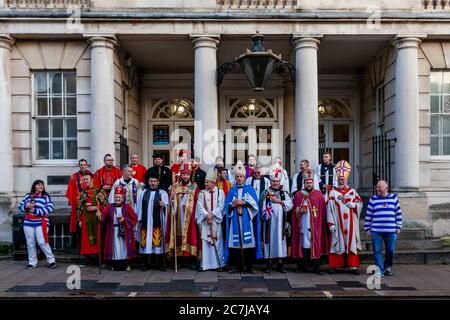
52 265
233 270
200 269
281 269
318 272
332 271
388 271
267 270
144 268
355 271
193 266
30 266
252 270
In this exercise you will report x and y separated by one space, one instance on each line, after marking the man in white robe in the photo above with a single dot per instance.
343 211
258 182
208 215
274 205
277 170
297 179
152 208
131 186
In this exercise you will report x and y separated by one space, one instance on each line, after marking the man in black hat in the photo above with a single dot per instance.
197 175
161 171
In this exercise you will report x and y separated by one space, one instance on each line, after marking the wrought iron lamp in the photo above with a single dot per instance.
257 64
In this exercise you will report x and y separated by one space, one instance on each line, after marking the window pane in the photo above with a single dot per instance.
341 133
43 151
55 83
446 147
70 83
435 104
57 128
434 145
435 81
446 125
71 128
341 154
57 106
446 106
42 106
40 82
71 106
446 84
434 125
58 152
42 128
71 149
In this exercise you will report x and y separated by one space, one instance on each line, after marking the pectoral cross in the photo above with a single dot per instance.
314 210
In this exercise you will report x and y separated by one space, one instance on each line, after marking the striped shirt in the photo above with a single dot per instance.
43 207
383 214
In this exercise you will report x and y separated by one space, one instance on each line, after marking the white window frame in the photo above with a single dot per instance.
34 118
437 157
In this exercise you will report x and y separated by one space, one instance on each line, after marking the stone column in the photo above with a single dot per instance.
102 98
6 158
306 101
206 126
406 114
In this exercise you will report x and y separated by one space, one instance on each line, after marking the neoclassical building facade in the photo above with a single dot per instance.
80 78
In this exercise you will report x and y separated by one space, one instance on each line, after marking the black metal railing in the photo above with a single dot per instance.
381 159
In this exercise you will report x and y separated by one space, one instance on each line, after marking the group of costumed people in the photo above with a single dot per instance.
217 219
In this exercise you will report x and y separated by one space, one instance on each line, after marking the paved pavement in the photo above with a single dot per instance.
409 281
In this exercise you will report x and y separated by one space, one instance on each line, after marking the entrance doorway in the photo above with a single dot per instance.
171 128
335 130
252 128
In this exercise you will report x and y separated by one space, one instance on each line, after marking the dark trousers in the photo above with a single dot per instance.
153 260
235 258
307 262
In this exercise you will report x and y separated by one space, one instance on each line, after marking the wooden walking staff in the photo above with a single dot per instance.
174 228
101 201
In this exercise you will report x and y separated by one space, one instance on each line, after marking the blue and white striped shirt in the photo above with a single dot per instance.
383 214
43 206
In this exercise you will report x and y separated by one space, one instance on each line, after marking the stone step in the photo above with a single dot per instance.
406 234
441 256
427 244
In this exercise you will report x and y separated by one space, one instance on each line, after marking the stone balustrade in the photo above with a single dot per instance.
47 4
437 4
256 4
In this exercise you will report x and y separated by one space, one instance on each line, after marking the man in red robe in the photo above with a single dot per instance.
73 191
182 228
343 212
105 177
118 221
309 225
138 169
89 206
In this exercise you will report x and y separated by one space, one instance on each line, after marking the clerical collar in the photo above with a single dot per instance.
152 189
240 186
127 180
118 205
279 189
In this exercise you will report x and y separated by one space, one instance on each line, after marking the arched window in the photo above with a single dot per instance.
252 109
332 108
173 109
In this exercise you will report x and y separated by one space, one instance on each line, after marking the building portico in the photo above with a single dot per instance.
147 82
